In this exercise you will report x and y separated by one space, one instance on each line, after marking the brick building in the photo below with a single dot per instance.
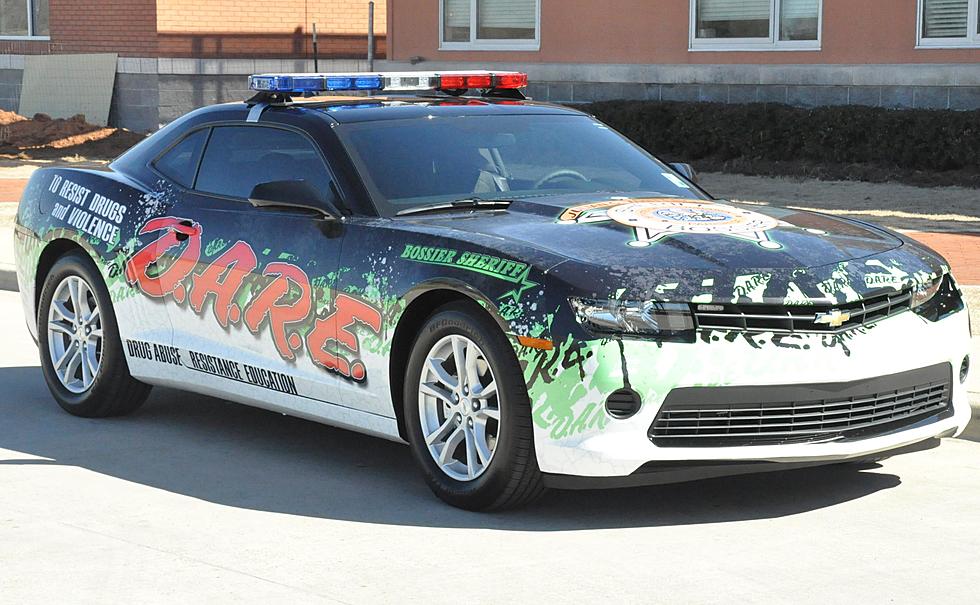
890 53
178 54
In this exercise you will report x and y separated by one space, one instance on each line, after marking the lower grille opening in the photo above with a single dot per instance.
766 415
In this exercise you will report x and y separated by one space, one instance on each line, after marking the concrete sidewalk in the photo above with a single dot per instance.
194 499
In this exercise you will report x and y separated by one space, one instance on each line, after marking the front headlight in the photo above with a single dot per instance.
937 299
639 318
923 293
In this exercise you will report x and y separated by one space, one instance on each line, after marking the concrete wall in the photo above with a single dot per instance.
10 80
950 86
187 84
889 97
136 102
151 91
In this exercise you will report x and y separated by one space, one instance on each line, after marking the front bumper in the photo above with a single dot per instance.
577 442
659 473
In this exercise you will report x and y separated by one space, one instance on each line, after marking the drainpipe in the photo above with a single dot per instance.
370 53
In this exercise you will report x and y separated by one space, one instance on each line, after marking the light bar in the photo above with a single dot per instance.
300 83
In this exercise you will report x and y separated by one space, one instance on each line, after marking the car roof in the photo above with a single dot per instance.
370 109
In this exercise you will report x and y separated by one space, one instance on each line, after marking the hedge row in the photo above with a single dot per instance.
907 139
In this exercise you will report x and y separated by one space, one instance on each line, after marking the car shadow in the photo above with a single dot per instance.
249 458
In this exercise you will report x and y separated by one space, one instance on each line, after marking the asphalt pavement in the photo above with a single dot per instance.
193 499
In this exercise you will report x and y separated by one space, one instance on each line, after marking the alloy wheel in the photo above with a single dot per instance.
459 408
74 332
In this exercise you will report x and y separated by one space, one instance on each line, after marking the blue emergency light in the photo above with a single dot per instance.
313 83
301 83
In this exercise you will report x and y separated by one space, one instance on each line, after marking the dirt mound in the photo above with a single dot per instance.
43 137
9 117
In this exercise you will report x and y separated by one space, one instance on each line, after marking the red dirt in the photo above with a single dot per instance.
45 138
962 250
11 189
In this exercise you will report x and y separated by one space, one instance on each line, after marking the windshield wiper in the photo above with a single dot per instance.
464 204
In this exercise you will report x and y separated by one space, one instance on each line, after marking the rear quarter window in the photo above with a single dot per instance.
179 164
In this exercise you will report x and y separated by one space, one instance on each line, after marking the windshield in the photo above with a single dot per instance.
416 162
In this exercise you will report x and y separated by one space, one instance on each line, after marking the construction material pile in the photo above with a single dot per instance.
43 137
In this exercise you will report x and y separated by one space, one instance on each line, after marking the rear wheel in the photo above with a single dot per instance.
468 414
81 355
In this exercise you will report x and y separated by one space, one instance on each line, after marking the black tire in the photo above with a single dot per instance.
512 478
113 391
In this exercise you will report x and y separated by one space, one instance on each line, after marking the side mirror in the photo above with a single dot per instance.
294 194
685 170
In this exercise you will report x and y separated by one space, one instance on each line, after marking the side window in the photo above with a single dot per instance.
238 158
180 163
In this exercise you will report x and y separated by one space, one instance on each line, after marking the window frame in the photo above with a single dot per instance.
484 44
30 25
211 126
152 164
970 40
772 43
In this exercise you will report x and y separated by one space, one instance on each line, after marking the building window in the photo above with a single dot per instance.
23 18
949 23
490 24
756 24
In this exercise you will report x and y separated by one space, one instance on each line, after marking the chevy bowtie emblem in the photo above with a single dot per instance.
834 319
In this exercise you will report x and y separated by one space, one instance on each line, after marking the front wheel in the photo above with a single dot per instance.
81 354
468 414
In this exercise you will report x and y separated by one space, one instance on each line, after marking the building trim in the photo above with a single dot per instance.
504 46
896 74
749 48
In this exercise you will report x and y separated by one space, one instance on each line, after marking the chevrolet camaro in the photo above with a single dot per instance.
521 294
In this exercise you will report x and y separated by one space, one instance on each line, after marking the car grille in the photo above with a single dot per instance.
766 415
788 319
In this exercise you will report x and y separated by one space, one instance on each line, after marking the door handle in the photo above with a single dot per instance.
183 235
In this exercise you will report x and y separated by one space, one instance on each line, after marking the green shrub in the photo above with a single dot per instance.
915 140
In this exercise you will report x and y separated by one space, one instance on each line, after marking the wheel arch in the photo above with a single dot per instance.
53 250
421 303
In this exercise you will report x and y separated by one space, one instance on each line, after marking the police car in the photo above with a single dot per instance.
521 294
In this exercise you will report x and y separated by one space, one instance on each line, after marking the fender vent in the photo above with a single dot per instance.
623 403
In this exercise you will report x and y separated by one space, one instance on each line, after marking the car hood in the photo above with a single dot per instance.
672 248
